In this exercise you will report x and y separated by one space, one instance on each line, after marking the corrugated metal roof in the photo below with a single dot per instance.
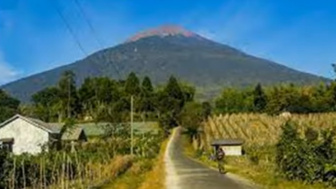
44 125
98 129
38 123
72 134
227 142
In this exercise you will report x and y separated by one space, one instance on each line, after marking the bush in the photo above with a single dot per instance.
310 158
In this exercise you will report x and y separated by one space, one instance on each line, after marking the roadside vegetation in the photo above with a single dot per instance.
110 158
280 152
289 133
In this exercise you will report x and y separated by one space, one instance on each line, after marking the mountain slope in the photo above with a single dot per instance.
167 51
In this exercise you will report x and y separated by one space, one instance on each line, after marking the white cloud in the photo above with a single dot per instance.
7 73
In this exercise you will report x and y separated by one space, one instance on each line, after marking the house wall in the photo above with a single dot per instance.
232 150
27 137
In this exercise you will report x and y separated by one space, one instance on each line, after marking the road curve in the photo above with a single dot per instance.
184 173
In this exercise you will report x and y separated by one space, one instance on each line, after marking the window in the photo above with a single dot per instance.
6 144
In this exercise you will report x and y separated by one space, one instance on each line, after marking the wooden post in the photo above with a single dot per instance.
13 176
23 174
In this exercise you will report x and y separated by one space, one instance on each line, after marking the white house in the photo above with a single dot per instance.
21 134
231 147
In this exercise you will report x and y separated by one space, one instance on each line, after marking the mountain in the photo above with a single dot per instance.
165 51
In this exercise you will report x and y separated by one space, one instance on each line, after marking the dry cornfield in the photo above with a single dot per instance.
259 129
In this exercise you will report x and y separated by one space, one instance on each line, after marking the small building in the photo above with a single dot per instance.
75 134
231 147
21 134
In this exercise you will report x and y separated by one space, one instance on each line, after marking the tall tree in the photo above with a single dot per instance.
259 99
188 92
206 110
170 103
191 118
68 94
132 85
146 102
8 106
45 103
146 85
173 89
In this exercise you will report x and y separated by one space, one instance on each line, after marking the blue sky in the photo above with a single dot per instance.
300 34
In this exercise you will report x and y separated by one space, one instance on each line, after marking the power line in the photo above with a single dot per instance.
95 34
67 24
88 21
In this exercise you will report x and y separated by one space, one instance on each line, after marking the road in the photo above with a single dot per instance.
184 173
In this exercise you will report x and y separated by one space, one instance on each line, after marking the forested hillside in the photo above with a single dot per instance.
201 62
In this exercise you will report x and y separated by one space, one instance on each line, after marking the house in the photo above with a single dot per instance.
231 147
21 134
75 134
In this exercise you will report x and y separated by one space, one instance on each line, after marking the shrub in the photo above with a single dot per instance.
309 158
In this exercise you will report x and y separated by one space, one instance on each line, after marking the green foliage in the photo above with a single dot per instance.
68 97
4 167
234 101
277 99
206 110
147 100
85 165
147 86
8 106
132 85
171 101
45 103
191 118
309 158
259 101
106 100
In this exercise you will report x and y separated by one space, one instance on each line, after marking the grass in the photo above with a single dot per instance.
133 178
155 179
143 174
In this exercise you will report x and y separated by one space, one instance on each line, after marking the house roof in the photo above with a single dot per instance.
98 129
72 134
38 123
227 142
53 128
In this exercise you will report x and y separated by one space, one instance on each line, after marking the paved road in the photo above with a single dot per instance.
184 173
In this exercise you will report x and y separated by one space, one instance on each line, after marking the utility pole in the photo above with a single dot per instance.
132 125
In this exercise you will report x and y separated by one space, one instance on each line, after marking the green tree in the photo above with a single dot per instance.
87 97
170 103
234 101
146 101
132 85
173 89
8 106
206 110
259 100
45 103
191 119
68 94
188 92
146 86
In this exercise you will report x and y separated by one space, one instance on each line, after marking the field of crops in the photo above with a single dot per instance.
259 129
92 164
